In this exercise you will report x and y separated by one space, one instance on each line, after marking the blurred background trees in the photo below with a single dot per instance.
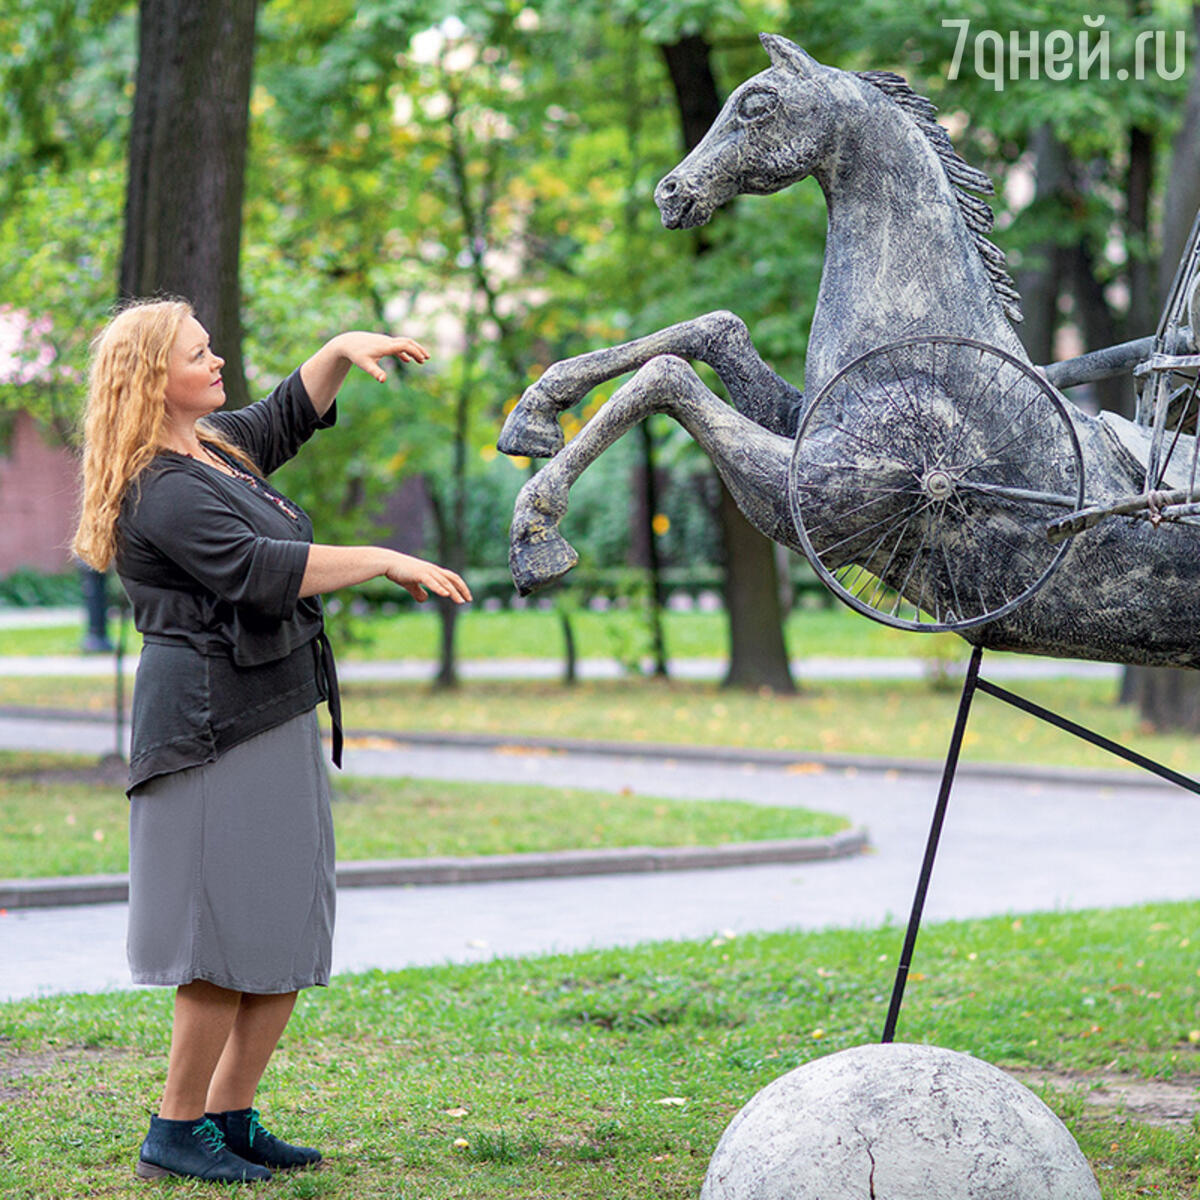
481 178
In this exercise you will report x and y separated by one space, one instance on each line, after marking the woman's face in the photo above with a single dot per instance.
194 386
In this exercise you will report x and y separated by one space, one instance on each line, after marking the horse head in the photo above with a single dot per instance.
768 135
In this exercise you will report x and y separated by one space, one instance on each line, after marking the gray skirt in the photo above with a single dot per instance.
231 868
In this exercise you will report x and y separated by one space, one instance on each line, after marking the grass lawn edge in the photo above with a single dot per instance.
448 870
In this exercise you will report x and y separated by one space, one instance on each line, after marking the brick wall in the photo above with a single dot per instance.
38 498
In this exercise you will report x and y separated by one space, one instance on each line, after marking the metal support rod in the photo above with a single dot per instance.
1099 364
1088 735
118 753
935 833
971 685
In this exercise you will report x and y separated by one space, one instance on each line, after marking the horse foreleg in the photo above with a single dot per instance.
752 461
720 339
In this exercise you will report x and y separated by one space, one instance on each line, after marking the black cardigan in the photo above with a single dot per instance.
212 565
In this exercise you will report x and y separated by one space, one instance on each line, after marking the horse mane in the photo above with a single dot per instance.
962 176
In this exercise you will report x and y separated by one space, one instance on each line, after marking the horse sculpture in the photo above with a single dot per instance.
932 467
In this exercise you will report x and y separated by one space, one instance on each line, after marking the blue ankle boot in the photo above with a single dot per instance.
193 1150
249 1140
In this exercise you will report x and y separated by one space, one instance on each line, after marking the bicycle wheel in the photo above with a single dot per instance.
923 478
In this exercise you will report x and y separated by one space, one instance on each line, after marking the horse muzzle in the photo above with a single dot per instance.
681 208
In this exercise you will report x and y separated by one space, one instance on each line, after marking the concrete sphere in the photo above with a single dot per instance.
897 1122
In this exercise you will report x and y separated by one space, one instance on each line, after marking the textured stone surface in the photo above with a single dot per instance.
897 1122
907 256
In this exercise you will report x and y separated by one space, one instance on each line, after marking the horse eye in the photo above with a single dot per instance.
756 104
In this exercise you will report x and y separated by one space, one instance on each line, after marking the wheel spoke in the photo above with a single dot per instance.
914 403
985 391
987 458
855 435
842 514
882 573
859 532
958 610
1021 495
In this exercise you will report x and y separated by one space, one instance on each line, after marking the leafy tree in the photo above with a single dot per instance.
63 113
419 192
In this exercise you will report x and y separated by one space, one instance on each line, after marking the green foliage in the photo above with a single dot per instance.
64 79
1091 114
63 267
993 126
27 588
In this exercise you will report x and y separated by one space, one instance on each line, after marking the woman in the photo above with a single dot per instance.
231 841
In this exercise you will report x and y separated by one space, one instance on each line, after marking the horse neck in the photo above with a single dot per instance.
899 258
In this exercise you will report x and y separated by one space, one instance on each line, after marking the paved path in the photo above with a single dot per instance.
1010 845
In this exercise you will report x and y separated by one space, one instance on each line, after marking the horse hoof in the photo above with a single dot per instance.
539 560
530 432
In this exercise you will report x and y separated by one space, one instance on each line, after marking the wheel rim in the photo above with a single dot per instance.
922 480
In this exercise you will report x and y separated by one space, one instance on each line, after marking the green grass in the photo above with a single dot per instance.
852 717
531 633
901 720
544 1079
52 828
47 639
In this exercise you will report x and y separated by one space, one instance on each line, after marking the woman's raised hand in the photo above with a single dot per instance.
419 578
366 349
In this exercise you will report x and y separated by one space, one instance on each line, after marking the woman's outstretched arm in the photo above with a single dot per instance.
333 567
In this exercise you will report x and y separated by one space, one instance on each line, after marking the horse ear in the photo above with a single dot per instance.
788 55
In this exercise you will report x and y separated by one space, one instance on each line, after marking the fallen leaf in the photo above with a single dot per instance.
672 1101
370 743
804 768
456 1112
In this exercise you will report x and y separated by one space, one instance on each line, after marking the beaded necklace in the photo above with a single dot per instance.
253 481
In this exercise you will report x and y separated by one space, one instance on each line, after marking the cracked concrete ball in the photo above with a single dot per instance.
897 1122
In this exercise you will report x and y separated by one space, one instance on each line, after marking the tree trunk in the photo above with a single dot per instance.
452 519
1144 295
757 651
1040 283
187 155
634 206
1182 197
1169 697
1100 328
656 600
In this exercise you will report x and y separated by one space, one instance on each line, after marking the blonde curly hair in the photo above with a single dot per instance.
124 418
